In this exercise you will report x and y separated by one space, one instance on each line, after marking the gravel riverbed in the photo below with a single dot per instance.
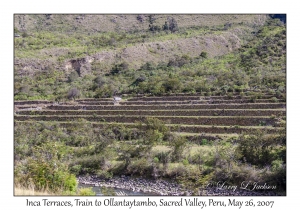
163 187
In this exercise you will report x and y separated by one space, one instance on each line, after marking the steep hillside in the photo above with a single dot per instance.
104 54
90 24
55 39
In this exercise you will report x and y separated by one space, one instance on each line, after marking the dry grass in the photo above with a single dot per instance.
120 22
194 149
24 191
190 150
161 148
156 49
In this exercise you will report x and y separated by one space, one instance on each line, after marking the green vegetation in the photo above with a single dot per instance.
150 151
258 64
203 100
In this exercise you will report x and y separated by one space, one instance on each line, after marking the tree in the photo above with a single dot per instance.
178 144
172 85
166 26
155 131
138 80
151 19
45 169
148 66
179 61
154 28
118 68
73 93
260 148
173 25
99 81
141 78
106 90
225 88
204 54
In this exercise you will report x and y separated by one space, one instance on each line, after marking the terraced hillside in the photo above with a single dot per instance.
139 128
194 116
200 123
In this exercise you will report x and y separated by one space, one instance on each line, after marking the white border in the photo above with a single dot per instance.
8 201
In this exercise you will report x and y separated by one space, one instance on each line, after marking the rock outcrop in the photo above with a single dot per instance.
81 65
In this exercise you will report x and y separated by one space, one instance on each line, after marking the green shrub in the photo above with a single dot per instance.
274 99
259 149
172 85
147 66
153 123
276 164
45 170
178 145
253 98
152 137
75 169
73 76
86 192
204 141
230 95
100 81
178 171
118 68
73 93
164 157
207 93
204 54
140 167
104 174
185 162
155 160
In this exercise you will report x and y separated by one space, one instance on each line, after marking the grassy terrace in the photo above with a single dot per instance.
182 102
174 127
212 120
157 107
197 138
204 112
179 98
32 102
161 103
